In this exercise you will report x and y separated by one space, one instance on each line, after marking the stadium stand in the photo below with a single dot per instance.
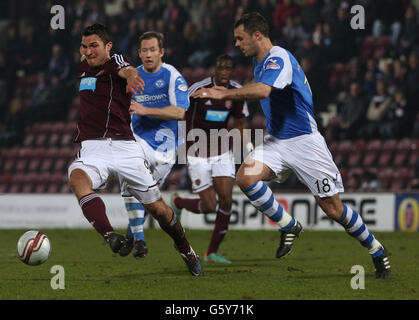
39 103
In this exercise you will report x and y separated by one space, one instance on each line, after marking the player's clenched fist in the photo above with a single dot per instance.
135 84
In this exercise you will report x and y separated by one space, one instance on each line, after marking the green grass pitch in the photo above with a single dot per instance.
319 267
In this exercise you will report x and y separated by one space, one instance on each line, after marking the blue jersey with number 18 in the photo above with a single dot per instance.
162 88
289 107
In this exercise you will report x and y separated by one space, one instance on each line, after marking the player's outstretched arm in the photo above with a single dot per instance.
165 113
252 91
135 84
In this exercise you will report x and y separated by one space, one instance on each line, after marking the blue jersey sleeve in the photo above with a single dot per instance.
178 93
276 73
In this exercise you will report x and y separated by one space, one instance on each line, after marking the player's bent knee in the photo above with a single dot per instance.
158 210
78 179
225 203
331 206
208 206
244 181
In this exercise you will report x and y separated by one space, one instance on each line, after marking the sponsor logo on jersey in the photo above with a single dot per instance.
208 103
272 64
88 83
216 115
144 98
182 87
159 83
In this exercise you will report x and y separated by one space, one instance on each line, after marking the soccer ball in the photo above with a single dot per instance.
33 248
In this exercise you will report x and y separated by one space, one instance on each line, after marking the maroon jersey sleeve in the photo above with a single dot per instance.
116 63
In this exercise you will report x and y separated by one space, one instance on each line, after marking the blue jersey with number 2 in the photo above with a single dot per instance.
289 107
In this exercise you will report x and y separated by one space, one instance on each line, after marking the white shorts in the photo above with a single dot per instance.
103 159
159 163
307 156
203 170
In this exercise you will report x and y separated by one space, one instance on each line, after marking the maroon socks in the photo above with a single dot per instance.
192 205
175 230
220 229
95 212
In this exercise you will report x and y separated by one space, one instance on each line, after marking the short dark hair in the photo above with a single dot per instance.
252 22
98 29
225 57
151 35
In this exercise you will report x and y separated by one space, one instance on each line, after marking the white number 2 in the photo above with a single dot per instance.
308 85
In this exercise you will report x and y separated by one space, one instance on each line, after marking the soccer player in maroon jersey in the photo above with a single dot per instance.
108 147
213 172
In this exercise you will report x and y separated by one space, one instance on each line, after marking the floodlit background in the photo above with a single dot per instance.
365 82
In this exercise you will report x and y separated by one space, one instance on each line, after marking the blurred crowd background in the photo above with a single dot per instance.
365 82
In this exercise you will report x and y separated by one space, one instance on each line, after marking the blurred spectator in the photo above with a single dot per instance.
342 36
389 14
226 12
59 65
283 10
399 73
40 93
293 33
369 181
371 75
82 10
354 72
266 9
29 60
175 44
130 39
176 13
410 36
354 182
155 10
7 81
13 47
395 121
350 116
54 107
140 10
376 112
310 13
14 123
412 79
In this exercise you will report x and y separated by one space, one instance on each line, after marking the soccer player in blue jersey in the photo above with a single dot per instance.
155 114
293 144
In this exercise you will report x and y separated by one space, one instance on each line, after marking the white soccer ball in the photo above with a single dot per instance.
33 248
